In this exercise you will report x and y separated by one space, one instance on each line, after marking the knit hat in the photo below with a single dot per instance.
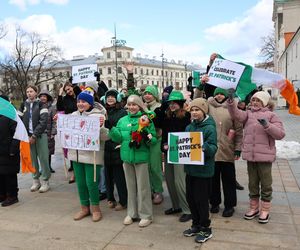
152 89
87 96
263 96
47 93
111 92
138 101
93 85
176 96
168 89
221 91
200 103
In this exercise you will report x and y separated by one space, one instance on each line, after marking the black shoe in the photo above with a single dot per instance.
228 212
185 217
191 231
204 235
52 170
215 209
238 186
2 198
102 196
9 201
173 211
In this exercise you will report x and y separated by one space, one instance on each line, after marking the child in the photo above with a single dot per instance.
135 156
261 128
199 178
83 162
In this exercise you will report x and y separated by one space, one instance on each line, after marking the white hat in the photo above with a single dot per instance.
263 96
138 101
92 84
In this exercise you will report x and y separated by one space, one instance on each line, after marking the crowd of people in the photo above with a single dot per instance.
134 128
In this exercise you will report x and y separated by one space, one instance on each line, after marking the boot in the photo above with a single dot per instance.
85 211
9 201
96 213
36 185
253 210
264 212
45 187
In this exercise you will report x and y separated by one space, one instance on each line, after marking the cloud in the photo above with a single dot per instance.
22 4
58 2
241 38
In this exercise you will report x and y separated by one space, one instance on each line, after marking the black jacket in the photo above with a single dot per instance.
9 147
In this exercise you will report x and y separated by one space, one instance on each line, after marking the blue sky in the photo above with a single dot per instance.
185 30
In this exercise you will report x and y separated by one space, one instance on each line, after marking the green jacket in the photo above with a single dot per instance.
208 128
122 134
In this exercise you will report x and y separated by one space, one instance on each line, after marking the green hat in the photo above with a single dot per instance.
221 91
152 89
176 96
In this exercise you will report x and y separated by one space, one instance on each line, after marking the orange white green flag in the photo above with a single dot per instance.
8 110
185 148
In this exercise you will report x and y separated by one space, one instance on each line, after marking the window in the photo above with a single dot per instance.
108 55
119 70
157 72
128 55
100 71
109 70
68 73
152 82
152 72
142 71
120 83
135 71
119 54
147 72
60 74
47 76
142 82
109 83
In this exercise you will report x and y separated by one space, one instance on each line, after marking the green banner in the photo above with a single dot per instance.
173 150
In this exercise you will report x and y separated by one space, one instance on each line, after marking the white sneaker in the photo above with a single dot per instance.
45 187
36 185
128 220
144 222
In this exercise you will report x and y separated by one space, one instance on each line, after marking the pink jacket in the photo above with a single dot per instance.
258 142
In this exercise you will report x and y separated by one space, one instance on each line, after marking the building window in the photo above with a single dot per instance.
100 71
128 55
171 74
120 83
157 72
108 55
119 70
142 82
47 76
109 70
152 72
119 54
152 82
147 72
109 83
135 71
142 71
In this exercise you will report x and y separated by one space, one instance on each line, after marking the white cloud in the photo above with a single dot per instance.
22 4
59 2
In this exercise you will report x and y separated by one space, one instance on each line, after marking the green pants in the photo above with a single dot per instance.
155 168
139 204
40 157
87 188
260 177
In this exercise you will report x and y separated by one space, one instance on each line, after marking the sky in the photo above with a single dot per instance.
183 30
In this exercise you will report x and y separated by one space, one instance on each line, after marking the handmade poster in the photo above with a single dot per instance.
84 73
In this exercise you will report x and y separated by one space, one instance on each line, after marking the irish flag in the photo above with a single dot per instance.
244 78
8 110
185 148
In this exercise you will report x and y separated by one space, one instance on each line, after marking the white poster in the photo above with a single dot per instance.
225 74
79 132
84 73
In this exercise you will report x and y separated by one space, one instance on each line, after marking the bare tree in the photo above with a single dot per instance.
32 61
3 31
267 50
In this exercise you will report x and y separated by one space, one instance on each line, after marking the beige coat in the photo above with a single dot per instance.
224 123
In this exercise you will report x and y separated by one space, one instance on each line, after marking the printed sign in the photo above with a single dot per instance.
84 73
197 75
225 74
79 132
185 148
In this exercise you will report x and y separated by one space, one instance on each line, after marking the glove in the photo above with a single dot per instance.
237 153
107 124
144 134
263 122
231 94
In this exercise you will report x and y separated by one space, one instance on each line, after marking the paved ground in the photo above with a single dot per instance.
44 221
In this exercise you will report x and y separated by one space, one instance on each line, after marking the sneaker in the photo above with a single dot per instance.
157 198
238 186
102 196
128 220
204 235
228 212
45 187
185 217
191 231
173 211
2 198
119 207
9 201
215 209
36 185
145 222
52 170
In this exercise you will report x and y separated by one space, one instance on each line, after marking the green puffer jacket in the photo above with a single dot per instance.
122 134
208 128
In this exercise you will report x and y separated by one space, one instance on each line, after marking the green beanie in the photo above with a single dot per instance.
176 96
221 91
152 89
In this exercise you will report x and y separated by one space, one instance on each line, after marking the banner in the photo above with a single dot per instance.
197 75
84 73
185 148
225 74
79 132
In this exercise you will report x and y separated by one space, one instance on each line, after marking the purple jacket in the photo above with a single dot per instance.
258 142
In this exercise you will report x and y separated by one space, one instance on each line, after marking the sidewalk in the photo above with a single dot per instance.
44 221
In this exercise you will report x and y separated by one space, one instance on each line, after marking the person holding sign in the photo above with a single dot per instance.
136 134
84 162
230 136
199 177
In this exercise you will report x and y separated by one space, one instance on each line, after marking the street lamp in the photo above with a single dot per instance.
162 68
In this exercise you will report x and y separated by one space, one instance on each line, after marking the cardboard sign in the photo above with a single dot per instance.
225 74
79 132
84 73
185 148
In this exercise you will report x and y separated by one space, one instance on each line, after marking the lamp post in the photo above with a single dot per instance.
162 68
